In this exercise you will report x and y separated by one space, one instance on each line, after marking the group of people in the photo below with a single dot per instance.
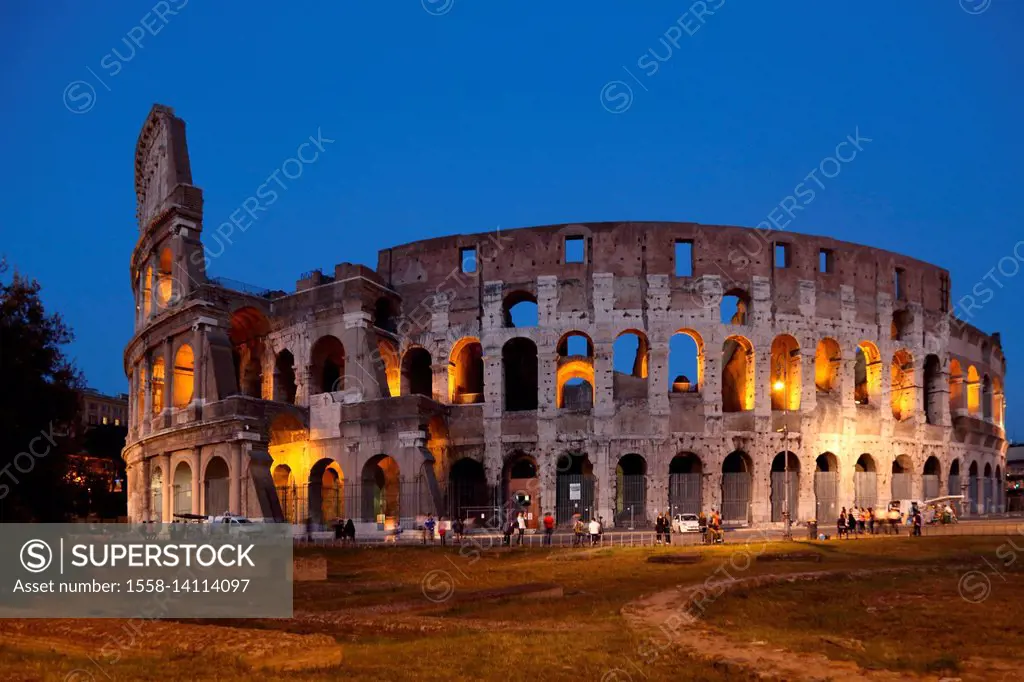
443 528
859 520
580 531
345 531
709 525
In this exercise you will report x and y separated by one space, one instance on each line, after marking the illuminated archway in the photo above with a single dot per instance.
867 374
417 372
216 480
466 372
827 362
392 370
158 386
630 360
902 386
973 392
785 377
184 376
956 387
738 375
686 362
326 492
328 365
381 489
737 481
165 278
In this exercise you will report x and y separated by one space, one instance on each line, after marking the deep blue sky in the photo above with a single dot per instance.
491 115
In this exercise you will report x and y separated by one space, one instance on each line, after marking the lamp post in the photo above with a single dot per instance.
779 386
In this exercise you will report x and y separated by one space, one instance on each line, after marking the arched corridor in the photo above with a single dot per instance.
381 487
865 482
631 491
737 481
780 478
215 488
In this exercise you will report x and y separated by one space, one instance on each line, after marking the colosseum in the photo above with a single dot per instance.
608 369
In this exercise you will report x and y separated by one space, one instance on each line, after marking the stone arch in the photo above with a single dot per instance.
381 488
521 486
184 376
216 482
988 490
739 384
686 361
519 309
934 389
392 370
930 478
737 482
631 355
284 377
248 331
326 496
181 486
287 492
902 479
902 325
165 278
385 315
574 468
828 360
574 377
956 387
327 364
867 374
685 484
780 478
468 494
865 482
157 380
147 292
631 491
785 373
953 485
986 398
735 306
519 364
466 372
973 391
417 372
903 388
826 487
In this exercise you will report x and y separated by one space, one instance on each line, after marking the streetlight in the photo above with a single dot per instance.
779 386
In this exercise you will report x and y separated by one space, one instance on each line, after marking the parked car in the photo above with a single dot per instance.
685 523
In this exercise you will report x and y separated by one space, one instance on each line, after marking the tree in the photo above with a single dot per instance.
38 403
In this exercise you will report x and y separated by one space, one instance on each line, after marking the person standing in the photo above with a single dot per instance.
851 523
442 529
841 524
520 527
659 528
428 529
871 520
549 528
917 523
458 528
595 531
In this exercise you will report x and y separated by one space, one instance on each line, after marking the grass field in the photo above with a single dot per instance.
423 613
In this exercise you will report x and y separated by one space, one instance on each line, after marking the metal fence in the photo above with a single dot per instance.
362 501
574 494
182 499
989 504
954 486
902 486
684 493
631 501
779 479
931 486
972 494
465 499
216 497
865 489
736 497
826 495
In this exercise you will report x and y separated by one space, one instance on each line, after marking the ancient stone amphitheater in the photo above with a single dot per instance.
610 369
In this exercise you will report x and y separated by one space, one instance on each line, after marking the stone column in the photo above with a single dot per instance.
166 416
235 489
604 403
199 371
658 379
167 491
139 476
147 405
197 484
604 492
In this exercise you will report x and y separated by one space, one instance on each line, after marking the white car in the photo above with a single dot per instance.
686 523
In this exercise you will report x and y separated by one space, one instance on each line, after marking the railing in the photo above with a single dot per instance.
235 285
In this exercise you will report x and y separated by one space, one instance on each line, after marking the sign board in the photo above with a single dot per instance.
575 491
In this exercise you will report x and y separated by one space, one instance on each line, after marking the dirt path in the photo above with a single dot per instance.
667 617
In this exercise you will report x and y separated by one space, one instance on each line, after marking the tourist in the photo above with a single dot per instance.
549 528
894 521
702 524
339 529
510 528
428 529
841 524
577 531
871 520
851 523
442 529
595 531
349 533
917 523
862 520
659 527
521 527
458 528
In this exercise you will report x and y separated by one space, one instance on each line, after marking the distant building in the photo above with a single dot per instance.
1015 478
99 408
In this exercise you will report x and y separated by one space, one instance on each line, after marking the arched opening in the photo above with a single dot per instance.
574 487
973 488
988 503
466 372
783 480
902 385
326 493
986 398
956 387
287 493
284 377
519 309
1000 497
417 373
933 393
165 278
738 376
902 325
140 396
182 489
865 482
930 480
158 386
392 370
381 488
828 361
735 307
998 403
249 328
328 365
385 315
737 479
519 365
147 292
631 491
630 360
468 495
685 473
156 495
785 380
574 378
902 478
216 484
973 392
686 362
953 484
867 373
184 376
826 487
521 488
